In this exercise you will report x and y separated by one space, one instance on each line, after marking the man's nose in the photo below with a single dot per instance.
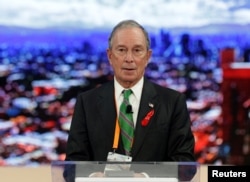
129 56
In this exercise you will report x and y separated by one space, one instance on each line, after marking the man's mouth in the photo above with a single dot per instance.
128 69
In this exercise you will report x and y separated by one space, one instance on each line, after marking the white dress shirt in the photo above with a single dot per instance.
134 98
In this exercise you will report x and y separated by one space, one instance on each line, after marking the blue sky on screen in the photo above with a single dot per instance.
106 13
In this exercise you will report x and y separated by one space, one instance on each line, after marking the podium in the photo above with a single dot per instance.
98 171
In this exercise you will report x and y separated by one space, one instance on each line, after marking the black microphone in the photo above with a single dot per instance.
129 109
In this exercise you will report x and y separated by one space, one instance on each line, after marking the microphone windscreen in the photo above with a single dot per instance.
129 109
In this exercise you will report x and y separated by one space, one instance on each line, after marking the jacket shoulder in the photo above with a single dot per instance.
99 90
166 90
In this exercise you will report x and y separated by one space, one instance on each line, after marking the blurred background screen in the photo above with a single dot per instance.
52 50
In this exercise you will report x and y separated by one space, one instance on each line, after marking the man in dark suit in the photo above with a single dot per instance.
162 128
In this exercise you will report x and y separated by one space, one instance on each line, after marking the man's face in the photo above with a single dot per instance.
128 55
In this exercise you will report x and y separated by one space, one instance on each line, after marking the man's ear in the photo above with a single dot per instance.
149 54
109 55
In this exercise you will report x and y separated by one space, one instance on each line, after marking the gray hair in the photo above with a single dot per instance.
125 24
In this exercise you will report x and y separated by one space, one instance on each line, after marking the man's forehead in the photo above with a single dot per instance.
130 35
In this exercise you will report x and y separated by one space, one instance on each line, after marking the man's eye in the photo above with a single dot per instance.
121 50
138 51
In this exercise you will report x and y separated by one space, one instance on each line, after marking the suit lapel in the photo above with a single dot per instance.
148 102
107 111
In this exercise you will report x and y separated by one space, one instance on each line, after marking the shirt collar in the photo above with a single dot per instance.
137 88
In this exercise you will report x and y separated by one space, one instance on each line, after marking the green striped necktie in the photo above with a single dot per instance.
126 122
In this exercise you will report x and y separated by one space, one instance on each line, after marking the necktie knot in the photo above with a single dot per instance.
127 93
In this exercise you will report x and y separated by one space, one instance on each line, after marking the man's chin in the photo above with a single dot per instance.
129 72
129 79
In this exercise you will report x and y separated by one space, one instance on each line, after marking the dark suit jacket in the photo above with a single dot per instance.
167 137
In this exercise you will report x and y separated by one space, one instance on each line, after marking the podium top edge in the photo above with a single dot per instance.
134 162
